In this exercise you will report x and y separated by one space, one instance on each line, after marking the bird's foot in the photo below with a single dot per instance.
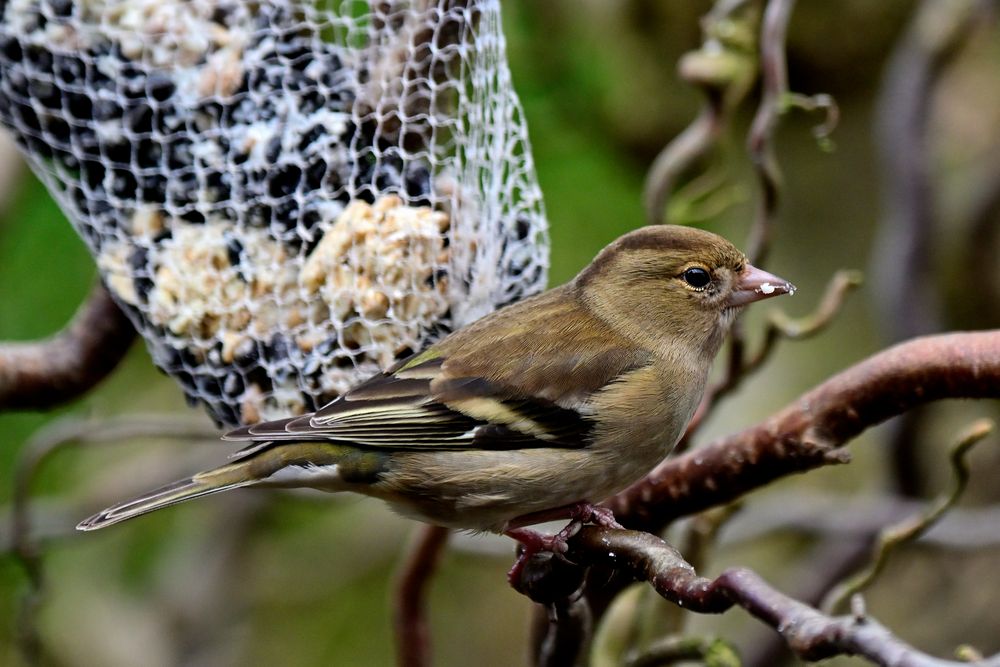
534 542
601 516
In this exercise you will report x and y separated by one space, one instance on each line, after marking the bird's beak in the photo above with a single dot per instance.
753 284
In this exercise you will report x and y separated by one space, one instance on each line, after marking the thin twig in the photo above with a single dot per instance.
672 650
413 647
43 374
724 69
760 142
39 449
914 525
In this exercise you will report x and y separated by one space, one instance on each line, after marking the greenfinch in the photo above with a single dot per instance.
532 413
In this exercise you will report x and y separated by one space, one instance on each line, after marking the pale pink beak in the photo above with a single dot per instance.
753 284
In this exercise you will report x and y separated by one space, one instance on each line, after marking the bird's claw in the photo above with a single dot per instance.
534 542
586 513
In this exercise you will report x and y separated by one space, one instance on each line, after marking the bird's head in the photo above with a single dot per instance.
675 285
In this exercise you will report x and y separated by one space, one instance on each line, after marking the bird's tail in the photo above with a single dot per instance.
226 477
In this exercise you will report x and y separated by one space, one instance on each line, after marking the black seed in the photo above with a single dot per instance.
284 181
143 286
258 376
273 150
10 48
234 249
285 217
314 175
184 377
523 227
247 354
69 161
46 93
106 109
258 215
39 57
192 357
148 154
311 100
139 118
170 359
311 136
124 184
194 216
179 154
153 189
418 185
162 235
69 69
209 385
28 117
119 153
217 185
58 129
93 174
160 86
62 8
280 348
133 81
221 14
80 106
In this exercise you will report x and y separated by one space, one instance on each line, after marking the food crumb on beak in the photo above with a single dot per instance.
767 288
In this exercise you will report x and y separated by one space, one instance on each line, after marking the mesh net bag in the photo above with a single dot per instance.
283 196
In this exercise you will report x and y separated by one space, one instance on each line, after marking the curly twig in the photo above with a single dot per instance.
724 68
40 375
808 433
40 449
810 634
914 525
760 142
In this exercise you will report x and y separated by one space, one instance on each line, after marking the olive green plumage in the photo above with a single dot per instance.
563 398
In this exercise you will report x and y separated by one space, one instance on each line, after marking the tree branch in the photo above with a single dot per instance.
810 634
43 374
808 433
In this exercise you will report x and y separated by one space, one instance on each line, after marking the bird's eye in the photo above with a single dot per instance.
697 277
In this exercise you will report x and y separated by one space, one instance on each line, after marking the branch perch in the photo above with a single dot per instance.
808 433
809 633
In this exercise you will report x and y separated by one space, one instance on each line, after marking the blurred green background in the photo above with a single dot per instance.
309 584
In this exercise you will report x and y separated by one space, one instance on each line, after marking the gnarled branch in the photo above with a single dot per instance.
43 374
811 634
808 433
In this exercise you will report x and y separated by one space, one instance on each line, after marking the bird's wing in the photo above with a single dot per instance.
521 394
420 407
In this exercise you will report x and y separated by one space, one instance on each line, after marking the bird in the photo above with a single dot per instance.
535 412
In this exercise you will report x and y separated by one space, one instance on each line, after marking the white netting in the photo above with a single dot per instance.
284 196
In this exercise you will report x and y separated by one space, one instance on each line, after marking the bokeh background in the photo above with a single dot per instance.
304 579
